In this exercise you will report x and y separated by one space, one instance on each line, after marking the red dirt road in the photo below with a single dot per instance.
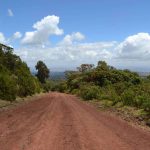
61 122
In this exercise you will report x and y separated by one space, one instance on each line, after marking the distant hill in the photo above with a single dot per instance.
57 75
143 74
54 75
61 75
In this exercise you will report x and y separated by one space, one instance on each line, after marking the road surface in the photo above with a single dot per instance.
61 122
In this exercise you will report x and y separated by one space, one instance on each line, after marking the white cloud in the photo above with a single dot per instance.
74 37
17 35
43 29
71 51
2 38
70 56
135 47
132 53
10 13
10 40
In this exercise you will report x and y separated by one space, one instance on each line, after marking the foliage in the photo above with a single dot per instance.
127 97
118 87
43 71
7 85
89 92
85 67
15 77
47 86
59 86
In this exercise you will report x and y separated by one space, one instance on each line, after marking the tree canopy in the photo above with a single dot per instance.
15 76
43 71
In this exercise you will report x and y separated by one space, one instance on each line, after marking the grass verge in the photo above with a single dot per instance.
6 104
130 114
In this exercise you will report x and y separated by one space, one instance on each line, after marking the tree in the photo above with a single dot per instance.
85 67
43 71
15 76
102 65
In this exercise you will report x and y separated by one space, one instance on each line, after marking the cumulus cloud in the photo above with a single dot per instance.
135 47
2 38
43 30
10 13
9 40
72 50
17 35
71 38
67 57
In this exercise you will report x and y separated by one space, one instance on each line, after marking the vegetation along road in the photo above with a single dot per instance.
61 122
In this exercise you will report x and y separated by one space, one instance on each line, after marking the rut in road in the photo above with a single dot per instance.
61 122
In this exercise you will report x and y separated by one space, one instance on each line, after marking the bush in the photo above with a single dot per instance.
139 99
146 105
62 87
26 85
46 86
37 85
8 89
75 91
107 103
15 76
59 86
109 93
119 87
89 92
128 97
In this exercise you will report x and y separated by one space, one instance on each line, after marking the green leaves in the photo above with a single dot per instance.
107 83
15 77
8 88
89 92
43 71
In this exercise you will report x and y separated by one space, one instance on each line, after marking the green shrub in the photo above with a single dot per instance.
89 92
47 86
139 99
75 91
109 93
146 105
62 87
128 97
59 86
26 85
107 103
8 89
37 85
120 87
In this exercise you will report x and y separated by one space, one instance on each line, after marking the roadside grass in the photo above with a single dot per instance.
4 103
128 113
19 100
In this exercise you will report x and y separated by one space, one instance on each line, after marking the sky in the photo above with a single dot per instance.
65 33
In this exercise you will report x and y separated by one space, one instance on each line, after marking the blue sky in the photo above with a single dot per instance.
101 29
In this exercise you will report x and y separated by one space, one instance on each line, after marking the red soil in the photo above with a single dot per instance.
61 122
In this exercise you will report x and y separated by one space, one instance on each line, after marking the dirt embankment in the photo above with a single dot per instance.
61 122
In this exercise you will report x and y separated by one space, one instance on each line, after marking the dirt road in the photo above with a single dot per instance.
61 122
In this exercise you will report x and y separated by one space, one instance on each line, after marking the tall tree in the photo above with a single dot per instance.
102 65
43 71
85 67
